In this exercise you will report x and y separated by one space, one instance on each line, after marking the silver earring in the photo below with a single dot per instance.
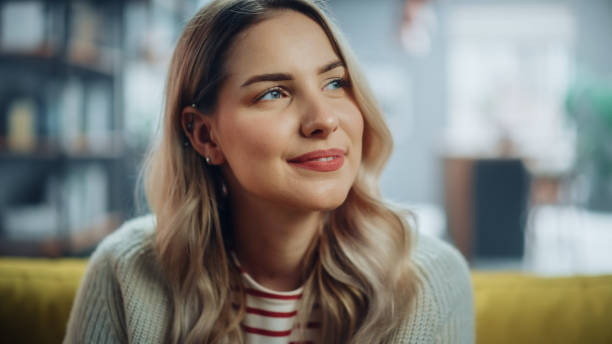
190 124
207 160
224 189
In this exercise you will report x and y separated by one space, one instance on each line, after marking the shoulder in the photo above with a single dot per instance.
443 306
132 238
437 262
128 253
124 249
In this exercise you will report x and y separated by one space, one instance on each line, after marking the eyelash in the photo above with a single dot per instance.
268 91
343 83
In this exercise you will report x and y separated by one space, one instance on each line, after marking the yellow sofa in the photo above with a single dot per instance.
36 296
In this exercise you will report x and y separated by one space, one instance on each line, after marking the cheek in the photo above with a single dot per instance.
359 128
250 140
354 126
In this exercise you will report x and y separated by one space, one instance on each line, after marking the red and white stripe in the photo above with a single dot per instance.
271 315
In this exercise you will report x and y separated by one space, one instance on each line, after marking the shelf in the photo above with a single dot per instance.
52 156
62 140
82 242
47 61
49 150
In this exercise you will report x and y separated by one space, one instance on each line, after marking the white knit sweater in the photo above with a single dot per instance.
122 298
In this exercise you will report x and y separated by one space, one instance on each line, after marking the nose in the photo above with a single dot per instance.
319 119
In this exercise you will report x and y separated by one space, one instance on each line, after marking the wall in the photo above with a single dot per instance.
417 113
413 173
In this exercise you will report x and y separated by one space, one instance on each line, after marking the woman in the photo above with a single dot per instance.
269 226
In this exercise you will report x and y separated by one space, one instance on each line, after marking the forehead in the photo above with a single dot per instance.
287 41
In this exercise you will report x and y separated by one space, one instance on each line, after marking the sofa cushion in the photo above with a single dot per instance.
36 297
518 308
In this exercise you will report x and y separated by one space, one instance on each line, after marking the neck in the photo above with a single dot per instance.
271 242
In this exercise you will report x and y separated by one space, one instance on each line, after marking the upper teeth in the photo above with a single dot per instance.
325 159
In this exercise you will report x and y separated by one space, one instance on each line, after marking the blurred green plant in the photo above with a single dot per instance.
589 105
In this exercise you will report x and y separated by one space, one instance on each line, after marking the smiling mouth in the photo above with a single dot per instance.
321 160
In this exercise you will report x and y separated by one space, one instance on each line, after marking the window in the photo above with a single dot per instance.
509 68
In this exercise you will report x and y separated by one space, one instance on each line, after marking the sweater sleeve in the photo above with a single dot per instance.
443 306
458 319
97 312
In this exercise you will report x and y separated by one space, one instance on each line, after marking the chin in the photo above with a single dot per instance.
328 201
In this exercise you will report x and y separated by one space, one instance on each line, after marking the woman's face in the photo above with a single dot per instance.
286 122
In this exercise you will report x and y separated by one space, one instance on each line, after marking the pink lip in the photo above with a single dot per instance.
310 160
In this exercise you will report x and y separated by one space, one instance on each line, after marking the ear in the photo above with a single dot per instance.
198 129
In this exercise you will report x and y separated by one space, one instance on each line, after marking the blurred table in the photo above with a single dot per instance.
486 201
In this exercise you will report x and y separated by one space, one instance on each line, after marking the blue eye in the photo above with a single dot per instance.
336 84
271 95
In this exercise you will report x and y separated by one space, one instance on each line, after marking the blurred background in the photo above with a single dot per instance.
501 113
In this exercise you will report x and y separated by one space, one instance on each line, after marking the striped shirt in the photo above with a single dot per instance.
271 315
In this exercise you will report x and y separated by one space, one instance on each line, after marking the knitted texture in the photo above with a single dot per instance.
123 297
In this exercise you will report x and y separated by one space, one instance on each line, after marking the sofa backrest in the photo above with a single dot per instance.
36 297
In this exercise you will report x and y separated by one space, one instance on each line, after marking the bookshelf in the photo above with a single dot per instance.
62 151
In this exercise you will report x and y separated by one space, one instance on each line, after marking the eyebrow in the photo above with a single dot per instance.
285 76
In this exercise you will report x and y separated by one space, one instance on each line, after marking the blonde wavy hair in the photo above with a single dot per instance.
358 270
